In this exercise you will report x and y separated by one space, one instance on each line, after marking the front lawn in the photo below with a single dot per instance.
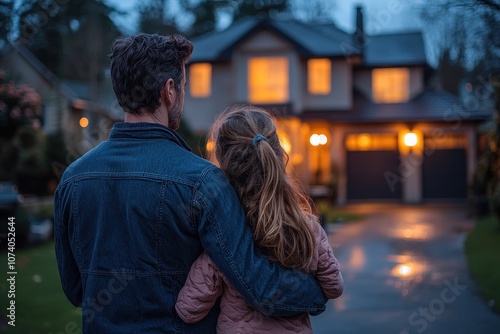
332 214
41 306
483 253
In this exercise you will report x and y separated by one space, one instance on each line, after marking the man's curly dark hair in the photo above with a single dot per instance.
141 65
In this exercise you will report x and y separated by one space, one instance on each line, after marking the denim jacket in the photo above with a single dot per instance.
134 213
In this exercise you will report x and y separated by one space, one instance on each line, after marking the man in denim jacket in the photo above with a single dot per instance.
133 214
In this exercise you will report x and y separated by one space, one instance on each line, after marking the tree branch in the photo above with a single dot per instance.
490 3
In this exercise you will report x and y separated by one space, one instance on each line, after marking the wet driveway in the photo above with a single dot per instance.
405 271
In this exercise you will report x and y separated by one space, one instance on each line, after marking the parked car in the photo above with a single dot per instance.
9 197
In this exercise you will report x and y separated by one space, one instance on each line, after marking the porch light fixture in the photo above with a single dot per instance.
410 139
403 270
318 139
84 122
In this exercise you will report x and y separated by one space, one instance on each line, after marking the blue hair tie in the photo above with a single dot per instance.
257 138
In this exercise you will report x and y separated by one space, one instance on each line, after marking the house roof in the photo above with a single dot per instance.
395 49
430 106
43 70
211 46
314 40
318 40
76 92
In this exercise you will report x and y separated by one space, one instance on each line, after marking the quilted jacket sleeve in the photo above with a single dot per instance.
201 290
328 270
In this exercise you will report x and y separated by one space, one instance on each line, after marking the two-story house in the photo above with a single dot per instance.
355 111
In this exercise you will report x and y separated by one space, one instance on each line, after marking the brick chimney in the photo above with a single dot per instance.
359 37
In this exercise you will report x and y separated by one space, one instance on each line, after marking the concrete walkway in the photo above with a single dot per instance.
405 272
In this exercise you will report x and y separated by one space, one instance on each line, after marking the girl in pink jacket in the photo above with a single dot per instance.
248 151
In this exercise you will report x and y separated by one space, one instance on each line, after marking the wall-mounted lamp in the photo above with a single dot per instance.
318 139
410 139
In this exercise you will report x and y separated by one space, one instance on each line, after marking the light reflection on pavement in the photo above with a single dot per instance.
405 271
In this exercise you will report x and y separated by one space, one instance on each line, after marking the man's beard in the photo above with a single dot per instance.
174 116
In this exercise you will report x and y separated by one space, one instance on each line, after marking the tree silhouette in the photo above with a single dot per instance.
154 18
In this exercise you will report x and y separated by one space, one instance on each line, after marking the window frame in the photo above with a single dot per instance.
203 83
282 93
312 78
395 89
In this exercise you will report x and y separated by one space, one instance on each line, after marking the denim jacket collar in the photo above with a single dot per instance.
143 130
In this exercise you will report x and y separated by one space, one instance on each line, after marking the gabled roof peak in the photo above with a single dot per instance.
314 40
309 39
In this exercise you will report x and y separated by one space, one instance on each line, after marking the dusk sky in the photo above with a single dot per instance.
380 15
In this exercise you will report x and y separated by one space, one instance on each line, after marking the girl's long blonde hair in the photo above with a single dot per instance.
275 207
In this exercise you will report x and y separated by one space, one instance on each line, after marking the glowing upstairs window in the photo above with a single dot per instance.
319 76
200 80
390 85
268 80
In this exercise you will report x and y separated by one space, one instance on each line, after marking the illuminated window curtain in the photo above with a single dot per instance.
319 79
200 78
268 80
391 85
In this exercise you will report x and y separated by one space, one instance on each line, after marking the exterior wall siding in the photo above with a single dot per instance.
200 112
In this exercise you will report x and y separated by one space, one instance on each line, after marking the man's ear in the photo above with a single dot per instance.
169 92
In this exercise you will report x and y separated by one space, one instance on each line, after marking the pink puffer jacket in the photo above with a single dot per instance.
206 283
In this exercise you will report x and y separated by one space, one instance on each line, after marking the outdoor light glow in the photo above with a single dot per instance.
364 140
403 270
318 139
285 143
418 231
410 139
357 259
314 140
84 122
210 145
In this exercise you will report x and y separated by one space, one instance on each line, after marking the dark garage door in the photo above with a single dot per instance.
444 174
373 175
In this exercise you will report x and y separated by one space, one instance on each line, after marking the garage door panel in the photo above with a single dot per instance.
445 174
367 175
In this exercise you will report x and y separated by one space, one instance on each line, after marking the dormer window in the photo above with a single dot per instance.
391 85
200 80
319 76
268 80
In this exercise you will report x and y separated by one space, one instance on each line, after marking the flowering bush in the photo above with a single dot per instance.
22 143
19 105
